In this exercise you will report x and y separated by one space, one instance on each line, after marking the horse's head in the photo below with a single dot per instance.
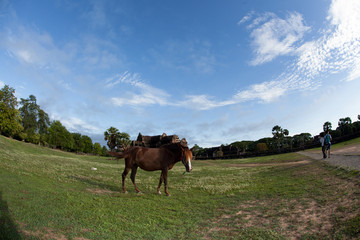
186 158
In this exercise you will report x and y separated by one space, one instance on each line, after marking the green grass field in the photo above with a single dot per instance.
49 194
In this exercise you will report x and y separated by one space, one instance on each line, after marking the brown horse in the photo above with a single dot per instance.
152 159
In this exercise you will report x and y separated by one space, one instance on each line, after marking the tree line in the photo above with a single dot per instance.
282 142
32 124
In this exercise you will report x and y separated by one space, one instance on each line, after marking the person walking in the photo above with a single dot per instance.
328 139
323 147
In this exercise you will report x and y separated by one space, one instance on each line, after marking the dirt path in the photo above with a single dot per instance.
267 164
259 164
347 157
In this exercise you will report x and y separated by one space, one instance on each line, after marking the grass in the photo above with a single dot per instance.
49 194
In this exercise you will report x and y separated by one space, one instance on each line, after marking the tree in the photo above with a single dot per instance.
197 150
10 119
97 150
34 120
110 137
43 124
78 143
356 125
261 147
244 146
301 140
59 136
327 126
116 139
88 145
344 126
123 140
270 143
344 121
29 112
279 134
104 151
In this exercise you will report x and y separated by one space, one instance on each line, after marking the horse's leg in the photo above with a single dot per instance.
126 171
132 176
165 173
160 182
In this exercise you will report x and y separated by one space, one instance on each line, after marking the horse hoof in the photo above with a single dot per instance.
139 192
126 192
159 192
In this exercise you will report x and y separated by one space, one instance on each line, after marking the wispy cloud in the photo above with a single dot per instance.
143 93
38 50
75 124
188 56
264 92
246 18
339 48
273 36
267 92
97 14
33 48
203 102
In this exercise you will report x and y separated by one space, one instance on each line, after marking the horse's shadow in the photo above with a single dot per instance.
96 184
8 226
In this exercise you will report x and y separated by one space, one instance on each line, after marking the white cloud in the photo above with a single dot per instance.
246 18
267 92
355 71
74 124
339 48
95 53
34 49
345 15
203 102
273 36
148 95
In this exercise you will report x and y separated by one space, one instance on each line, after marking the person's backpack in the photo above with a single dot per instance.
327 139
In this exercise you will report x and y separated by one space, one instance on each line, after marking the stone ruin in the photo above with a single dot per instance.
157 141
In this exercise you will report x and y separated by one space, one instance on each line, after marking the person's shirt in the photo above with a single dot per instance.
327 138
322 141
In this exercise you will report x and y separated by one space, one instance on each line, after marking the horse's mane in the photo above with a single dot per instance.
173 146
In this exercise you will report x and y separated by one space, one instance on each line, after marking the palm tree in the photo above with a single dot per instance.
116 139
345 126
279 135
110 137
327 126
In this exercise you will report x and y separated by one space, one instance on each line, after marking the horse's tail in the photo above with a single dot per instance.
117 154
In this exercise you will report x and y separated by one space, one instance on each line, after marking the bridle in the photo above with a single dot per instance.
182 157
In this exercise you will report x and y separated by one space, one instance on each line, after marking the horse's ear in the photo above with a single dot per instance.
191 149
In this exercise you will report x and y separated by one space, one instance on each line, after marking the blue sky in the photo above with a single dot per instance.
213 72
